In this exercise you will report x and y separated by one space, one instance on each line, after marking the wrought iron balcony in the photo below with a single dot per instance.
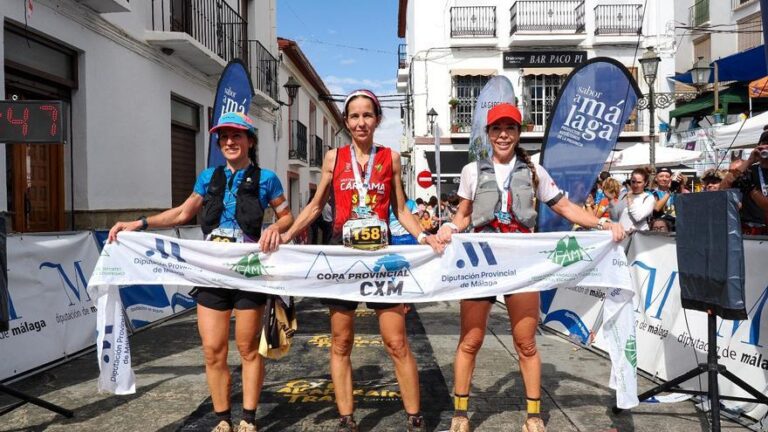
298 146
213 23
263 68
547 16
402 56
316 154
473 21
618 19
698 14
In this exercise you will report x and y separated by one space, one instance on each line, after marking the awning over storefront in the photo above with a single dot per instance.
748 65
473 72
704 105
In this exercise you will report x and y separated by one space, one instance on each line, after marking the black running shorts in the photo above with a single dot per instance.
223 299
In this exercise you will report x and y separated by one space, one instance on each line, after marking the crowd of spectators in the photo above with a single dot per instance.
648 203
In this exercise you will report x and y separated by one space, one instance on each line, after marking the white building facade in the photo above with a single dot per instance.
450 53
139 80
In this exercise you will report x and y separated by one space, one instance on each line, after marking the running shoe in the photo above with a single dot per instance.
459 424
223 426
534 424
347 424
244 426
415 424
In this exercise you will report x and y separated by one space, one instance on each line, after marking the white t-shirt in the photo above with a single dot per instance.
635 217
468 184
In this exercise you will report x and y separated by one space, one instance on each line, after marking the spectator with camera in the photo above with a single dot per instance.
668 185
751 178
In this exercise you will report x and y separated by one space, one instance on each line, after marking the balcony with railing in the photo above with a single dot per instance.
297 150
473 22
547 16
619 19
402 68
316 152
263 68
698 14
205 33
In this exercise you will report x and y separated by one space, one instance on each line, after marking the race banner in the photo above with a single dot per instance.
497 90
474 265
589 113
147 304
672 340
51 313
233 94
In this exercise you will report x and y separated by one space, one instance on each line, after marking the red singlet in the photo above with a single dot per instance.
344 196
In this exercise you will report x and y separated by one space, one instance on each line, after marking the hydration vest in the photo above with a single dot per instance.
249 213
488 195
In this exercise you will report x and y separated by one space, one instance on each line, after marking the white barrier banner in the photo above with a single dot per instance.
673 340
474 265
667 345
51 313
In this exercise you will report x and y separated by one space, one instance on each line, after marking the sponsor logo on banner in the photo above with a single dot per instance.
165 259
313 391
388 276
630 351
477 267
567 252
250 266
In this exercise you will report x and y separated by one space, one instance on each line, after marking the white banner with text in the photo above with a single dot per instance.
474 265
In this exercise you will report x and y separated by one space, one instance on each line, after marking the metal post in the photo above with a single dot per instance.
652 128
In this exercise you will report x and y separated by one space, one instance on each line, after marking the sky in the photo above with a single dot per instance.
351 45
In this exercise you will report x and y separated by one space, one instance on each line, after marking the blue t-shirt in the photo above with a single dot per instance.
269 189
394 225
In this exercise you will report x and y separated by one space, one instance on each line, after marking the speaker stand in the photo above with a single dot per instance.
712 369
25 398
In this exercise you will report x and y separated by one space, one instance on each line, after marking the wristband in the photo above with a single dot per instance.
422 237
601 223
144 223
452 226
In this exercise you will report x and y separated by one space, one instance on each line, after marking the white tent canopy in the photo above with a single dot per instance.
746 133
612 157
638 156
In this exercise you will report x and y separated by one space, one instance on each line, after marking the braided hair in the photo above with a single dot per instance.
523 156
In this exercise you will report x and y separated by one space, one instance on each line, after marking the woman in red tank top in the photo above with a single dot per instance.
343 170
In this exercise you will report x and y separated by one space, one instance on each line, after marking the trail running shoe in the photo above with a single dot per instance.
244 426
415 424
223 426
347 424
459 424
534 424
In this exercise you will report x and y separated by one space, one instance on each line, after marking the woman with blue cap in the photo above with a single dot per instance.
231 200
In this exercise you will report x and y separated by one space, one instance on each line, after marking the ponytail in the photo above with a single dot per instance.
523 156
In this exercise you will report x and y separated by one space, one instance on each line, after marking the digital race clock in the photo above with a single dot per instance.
32 121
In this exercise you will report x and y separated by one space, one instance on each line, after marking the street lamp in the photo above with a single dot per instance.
292 88
650 64
431 119
700 72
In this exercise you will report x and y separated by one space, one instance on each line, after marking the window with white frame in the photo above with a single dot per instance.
466 89
539 94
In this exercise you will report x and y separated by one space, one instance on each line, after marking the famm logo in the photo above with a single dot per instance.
567 252
474 258
250 266
630 351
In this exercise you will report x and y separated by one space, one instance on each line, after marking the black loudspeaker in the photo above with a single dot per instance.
710 253
4 296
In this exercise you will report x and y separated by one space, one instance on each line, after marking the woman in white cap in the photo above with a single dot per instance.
498 195
363 180
231 200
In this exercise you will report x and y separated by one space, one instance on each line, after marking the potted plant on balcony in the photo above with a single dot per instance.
453 102
455 127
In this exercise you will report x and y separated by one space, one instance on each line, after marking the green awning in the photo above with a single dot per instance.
704 105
